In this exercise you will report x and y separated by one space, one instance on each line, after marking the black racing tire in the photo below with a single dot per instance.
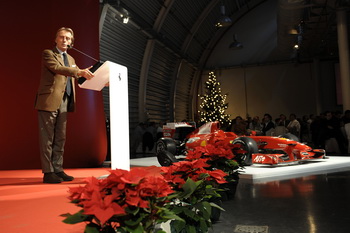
249 146
166 151
167 144
165 158
290 136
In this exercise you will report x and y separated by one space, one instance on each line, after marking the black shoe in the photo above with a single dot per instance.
51 178
64 176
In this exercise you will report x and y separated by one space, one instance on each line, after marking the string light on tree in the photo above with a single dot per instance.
213 104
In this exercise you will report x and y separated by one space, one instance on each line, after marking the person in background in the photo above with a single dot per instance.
239 126
56 97
255 125
136 138
332 129
282 121
294 125
305 129
267 123
281 125
149 137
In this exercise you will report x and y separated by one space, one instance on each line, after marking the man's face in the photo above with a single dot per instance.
63 39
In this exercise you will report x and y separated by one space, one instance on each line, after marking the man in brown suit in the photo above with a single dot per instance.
56 97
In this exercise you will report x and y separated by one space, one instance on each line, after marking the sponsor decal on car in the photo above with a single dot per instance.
259 159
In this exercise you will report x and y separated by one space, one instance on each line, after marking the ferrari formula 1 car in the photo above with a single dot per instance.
180 137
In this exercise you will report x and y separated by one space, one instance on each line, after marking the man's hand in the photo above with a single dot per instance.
86 73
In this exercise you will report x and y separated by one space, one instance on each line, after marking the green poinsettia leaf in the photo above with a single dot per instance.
202 176
75 201
216 206
132 211
194 200
177 227
209 190
189 213
204 225
91 229
167 214
160 231
191 229
232 163
135 221
189 188
138 229
75 218
122 230
205 208
176 209
173 196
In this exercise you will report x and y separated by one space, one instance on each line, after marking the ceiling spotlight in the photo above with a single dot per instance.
122 15
125 18
223 21
235 44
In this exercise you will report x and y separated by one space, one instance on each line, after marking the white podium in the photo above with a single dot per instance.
117 76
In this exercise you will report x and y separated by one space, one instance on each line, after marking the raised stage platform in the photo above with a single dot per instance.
263 173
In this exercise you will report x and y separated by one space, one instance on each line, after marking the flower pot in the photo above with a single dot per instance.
215 212
229 190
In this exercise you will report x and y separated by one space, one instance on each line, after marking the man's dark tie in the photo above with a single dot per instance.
69 83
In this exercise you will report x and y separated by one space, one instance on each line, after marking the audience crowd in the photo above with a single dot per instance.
329 130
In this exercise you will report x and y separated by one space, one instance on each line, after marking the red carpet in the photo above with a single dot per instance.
29 206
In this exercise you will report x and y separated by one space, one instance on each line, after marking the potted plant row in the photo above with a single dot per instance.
187 194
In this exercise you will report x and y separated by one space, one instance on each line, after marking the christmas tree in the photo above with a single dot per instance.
213 103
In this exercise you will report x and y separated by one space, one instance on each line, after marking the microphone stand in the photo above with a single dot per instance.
81 80
71 47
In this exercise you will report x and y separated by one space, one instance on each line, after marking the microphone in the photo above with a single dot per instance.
71 47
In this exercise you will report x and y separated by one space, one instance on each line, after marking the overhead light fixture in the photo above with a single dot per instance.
224 20
122 15
235 44
125 18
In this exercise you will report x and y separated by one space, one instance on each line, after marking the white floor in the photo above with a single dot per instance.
260 173
264 173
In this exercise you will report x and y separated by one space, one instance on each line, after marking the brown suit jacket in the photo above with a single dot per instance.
54 80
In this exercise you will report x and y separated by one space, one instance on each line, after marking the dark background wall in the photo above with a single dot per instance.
278 89
29 27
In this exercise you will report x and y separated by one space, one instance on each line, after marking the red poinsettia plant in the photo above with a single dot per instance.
195 170
125 201
134 201
195 186
217 152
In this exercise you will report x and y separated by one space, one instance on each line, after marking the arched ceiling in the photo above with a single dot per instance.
268 29
179 40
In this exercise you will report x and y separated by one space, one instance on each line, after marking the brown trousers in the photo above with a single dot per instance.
52 137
